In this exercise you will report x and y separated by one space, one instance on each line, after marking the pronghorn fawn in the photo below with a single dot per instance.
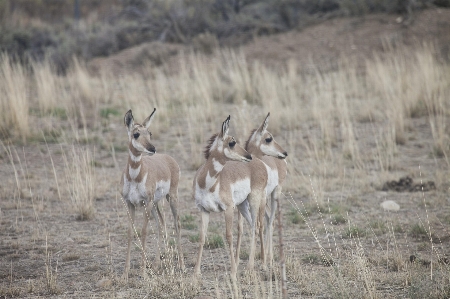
262 145
224 182
147 178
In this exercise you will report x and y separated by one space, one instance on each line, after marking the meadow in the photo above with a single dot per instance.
350 131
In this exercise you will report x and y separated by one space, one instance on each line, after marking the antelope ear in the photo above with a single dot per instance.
128 120
225 127
148 120
264 125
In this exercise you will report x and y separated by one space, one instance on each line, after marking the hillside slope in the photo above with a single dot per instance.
319 45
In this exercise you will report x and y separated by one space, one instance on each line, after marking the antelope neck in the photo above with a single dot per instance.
134 157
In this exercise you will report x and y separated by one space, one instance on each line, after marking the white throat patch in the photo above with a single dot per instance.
134 158
217 166
134 172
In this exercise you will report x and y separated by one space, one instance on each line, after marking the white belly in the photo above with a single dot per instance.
134 192
208 201
162 189
240 190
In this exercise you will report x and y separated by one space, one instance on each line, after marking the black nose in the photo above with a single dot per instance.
151 149
285 153
248 157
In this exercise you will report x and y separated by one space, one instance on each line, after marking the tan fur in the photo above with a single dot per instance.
273 157
221 183
161 174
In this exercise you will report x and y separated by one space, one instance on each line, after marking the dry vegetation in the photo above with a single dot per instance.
347 131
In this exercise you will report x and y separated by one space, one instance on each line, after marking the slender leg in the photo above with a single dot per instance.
143 236
203 230
229 215
173 201
274 196
244 212
159 223
239 237
254 207
262 210
131 213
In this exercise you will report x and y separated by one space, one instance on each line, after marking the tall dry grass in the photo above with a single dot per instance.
390 91
339 127
80 181
14 101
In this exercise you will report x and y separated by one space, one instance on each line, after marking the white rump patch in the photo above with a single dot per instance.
390 205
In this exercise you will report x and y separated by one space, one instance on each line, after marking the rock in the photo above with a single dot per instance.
390 205
104 283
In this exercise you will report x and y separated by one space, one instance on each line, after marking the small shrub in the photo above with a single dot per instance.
171 243
187 222
70 257
295 217
215 241
243 255
418 231
312 259
194 238
398 229
378 226
354 232
338 219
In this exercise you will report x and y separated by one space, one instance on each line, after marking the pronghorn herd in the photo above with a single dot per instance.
230 177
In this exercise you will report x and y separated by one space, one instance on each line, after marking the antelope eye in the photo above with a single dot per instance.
269 140
232 143
136 135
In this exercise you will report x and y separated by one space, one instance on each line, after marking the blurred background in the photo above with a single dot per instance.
61 29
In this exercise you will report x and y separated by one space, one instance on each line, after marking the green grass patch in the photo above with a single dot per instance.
194 238
312 258
214 241
354 232
243 255
59 112
398 229
120 148
295 217
171 243
338 219
418 231
188 222
378 226
106 112
49 136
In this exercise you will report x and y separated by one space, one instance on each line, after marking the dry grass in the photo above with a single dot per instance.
14 99
346 131
80 181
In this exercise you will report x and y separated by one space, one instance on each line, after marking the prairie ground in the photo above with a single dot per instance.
352 131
